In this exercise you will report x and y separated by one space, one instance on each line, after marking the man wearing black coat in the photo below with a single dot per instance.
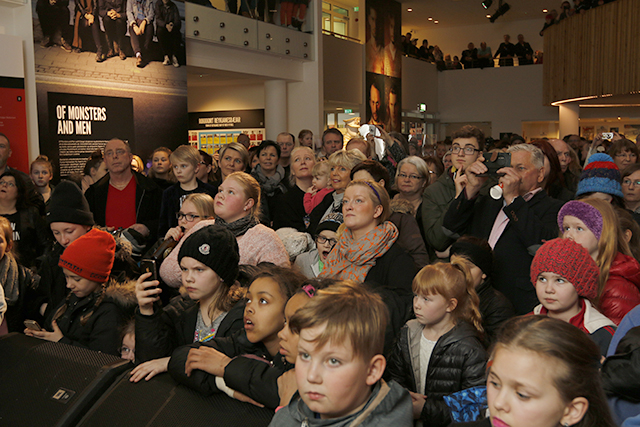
515 224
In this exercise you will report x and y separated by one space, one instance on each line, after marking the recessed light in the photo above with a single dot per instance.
545 10
435 22
488 16
429 19
409 10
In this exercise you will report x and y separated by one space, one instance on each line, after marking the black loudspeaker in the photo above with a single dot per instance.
51 384
161 402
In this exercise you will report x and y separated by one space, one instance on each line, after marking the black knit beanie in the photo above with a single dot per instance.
481 257
67 204
217 248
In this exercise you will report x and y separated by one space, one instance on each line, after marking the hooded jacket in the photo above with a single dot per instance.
101 330
388 406
622 291
458 362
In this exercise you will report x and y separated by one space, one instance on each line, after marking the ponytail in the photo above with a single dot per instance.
468 306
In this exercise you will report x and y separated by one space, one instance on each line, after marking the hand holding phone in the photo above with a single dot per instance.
147 292
33 325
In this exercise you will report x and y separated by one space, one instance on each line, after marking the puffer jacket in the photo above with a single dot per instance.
622 291
101 330
458 362
174 325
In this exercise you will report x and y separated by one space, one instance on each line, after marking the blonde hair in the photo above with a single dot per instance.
378 196
203 203
351 314
42 160
186 154
451 280
346 159
363 141
610 243
251 190
5 228
320 169
239 148
292 179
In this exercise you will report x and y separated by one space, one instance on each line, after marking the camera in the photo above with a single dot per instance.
494 161
607 135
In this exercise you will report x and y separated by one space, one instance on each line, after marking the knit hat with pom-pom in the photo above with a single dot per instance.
600 175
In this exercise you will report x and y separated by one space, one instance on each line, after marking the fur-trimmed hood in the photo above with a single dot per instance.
402 206
122 294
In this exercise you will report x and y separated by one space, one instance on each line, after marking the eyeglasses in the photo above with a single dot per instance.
322 240
8 184
187 217
412 177
630 182
468 149
119 152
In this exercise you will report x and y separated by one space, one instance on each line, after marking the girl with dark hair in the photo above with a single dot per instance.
553 182
30 234
94 170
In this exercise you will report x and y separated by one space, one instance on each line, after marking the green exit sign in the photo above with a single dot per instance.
348 110
356 9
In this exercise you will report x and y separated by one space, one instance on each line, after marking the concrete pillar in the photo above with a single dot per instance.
275 107
569 115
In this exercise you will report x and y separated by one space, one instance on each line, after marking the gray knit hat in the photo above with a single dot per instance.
217 248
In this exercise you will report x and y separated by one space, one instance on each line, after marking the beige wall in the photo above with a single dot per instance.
419 84
343 70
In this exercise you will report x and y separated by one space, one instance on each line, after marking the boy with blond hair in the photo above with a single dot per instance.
340 364
185 161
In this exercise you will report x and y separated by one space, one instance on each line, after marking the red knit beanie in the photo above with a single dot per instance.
569 260
90 256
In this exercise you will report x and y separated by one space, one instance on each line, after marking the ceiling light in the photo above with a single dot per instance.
487 4
429 19
409 10
545 10
436 21
488 16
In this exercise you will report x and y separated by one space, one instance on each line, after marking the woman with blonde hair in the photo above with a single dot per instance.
289 207
233 157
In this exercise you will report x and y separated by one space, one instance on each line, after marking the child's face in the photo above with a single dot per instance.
231 203
80 286
574 229
189 208
128 347
66 232
520 390
3 244
160 162
264 313
40 175
557 295
289 340
320 181
432 310
330 240
185 172
200 281
332 380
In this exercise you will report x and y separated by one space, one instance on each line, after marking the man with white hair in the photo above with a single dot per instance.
515 223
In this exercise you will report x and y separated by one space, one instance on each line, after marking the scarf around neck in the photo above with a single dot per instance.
239 227
9 278
352 260
270 184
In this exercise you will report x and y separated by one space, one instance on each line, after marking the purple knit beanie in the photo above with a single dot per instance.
586 213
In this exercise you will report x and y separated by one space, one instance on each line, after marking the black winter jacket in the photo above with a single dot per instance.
258 386
174 325
458 362
172 199
101 330
148 200
495 309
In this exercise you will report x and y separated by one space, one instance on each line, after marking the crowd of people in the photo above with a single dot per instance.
473 57
494 282
292 13
568 9
141 18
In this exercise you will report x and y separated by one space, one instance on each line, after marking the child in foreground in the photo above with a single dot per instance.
340 364
566 280
544 373
320 187
439 352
